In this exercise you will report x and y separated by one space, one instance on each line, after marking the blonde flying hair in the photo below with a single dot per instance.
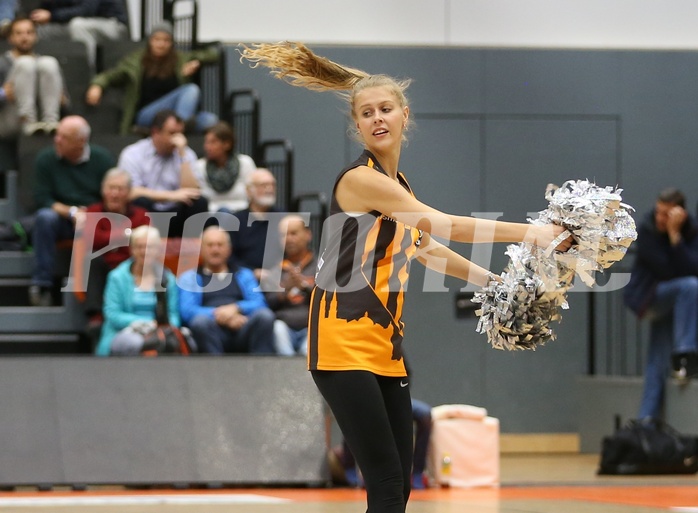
296 64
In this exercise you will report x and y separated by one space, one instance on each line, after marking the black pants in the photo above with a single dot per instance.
375 416
96 283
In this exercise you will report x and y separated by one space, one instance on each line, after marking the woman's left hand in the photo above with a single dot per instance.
191 67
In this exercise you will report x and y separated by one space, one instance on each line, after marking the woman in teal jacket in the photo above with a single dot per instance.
129 298
156 78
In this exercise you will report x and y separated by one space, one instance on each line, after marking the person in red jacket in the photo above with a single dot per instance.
110 232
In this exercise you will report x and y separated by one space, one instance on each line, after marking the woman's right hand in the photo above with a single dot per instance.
190 67
544 235
93 95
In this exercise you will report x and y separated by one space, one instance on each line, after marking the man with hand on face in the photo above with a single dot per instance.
161 169
663 288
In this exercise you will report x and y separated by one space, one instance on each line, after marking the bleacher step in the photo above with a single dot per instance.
47 319
16 263
40 343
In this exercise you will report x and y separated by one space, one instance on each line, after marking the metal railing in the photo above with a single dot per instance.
242 112
277 157
314 203
617 338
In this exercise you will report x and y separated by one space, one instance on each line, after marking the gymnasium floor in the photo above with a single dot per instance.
529 484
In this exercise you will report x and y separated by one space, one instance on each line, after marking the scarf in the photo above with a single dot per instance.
223 178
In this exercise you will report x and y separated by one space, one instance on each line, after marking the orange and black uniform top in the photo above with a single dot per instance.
356 308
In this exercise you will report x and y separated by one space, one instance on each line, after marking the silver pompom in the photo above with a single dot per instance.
519 305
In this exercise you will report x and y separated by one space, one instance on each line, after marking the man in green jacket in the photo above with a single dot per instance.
67 177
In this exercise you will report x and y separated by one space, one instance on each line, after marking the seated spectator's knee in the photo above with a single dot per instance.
191 88
46 217
25 63
201 322
47 64
690 282
191 92
78 24
263 317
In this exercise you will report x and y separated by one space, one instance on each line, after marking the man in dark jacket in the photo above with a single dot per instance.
88 21
663 287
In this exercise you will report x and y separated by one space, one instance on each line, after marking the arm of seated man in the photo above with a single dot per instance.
184 195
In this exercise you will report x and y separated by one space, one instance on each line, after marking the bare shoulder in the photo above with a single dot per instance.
363 189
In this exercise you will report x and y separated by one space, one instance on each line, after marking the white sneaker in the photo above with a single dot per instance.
40 296
32 128
50 127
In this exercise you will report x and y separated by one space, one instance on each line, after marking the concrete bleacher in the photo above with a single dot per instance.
199 420
23 328
57 329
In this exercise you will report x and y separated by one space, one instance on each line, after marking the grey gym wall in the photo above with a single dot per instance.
493 128
166 420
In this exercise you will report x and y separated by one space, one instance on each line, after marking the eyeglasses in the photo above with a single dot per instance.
263 184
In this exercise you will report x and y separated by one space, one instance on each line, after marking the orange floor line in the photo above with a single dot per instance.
648 496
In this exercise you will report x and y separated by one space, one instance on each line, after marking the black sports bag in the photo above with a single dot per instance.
648 447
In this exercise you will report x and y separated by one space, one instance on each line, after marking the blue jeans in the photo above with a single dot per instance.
7 10
674 329
421 413
184 101
289 342
48 228
255 337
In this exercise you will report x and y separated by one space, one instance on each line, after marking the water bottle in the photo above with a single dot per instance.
445 470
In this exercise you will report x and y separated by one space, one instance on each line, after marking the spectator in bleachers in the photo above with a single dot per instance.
8 8
222 305
130 299
255 243
67 177
663 288
103 231
223 172
87 21
161 168
32 85
155 78
291 305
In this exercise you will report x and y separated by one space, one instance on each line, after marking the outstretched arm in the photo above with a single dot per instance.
438 257
363 189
